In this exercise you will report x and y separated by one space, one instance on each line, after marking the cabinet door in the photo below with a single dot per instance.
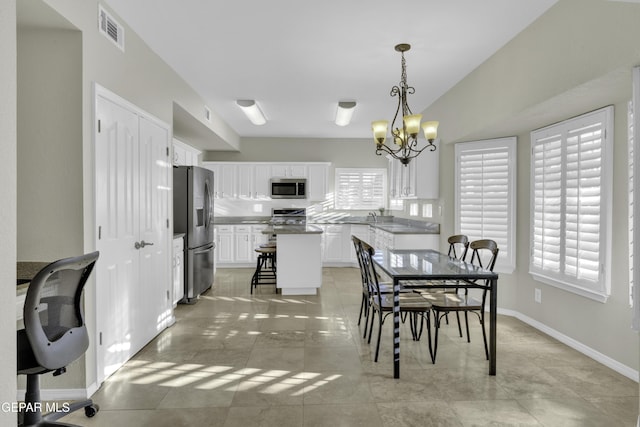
224 177
317 182
261 177
245 181
224 248
298 171
333 243
178 270
243 246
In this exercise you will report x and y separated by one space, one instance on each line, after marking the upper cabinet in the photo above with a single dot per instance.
185 155
417 180
252 180
289 170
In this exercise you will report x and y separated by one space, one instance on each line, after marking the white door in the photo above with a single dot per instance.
153 303
117 216
133 191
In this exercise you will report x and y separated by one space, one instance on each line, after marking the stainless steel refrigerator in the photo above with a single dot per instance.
193 216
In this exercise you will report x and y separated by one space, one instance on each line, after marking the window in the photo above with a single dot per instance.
361 188
571 167
485 185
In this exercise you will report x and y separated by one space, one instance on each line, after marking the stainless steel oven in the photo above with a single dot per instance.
288 188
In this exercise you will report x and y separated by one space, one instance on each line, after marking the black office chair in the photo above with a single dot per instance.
54 333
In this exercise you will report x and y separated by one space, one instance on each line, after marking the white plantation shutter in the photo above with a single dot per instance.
360 188
571 204
485 197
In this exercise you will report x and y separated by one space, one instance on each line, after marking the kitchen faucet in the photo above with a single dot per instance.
374 215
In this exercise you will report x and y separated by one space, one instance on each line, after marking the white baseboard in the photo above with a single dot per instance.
576 345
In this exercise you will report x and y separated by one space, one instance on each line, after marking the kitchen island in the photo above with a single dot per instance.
298 258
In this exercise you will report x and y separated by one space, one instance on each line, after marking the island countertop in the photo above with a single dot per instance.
292 229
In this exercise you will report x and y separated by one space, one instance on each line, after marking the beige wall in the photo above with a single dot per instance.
7 211
137 75
553 70
49 122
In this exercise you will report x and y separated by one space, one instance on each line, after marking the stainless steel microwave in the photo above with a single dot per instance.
288 188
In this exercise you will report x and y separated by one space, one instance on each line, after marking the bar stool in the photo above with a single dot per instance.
265 273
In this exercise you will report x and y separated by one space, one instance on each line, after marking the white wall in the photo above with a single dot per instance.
554 70
8 88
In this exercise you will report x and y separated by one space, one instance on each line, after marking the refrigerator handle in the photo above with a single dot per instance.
208 248
208 204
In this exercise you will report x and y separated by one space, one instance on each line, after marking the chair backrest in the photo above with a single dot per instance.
484 253
357 244
369 268
458 246
53 318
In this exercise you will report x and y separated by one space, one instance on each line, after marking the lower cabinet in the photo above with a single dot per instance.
235 244
178 269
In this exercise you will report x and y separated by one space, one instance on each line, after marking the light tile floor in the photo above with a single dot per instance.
234 359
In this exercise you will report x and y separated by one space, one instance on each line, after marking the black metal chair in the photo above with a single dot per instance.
265 273
54 333
483 254
412 305
458 248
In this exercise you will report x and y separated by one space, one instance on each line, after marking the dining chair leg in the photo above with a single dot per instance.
379 335
362 305
426 316
484 336
367 310
373 316
413 325
436 326
466 322
459 324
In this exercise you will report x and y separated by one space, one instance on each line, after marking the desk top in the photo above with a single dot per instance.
423 264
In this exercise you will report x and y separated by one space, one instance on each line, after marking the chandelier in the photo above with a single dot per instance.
405 137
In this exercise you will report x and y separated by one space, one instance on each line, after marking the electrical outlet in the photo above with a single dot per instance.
538 295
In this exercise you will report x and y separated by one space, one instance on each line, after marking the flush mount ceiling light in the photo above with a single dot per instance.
345 112
252 111
405 137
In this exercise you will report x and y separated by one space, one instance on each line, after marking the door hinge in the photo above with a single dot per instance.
167 151
167 223
99 232
100 339
99 128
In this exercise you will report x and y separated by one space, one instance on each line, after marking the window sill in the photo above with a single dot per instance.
583 292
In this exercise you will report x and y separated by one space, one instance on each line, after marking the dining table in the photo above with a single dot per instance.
427 268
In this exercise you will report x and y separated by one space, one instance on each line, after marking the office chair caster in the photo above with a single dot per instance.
91 410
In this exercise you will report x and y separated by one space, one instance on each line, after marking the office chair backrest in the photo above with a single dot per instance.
53 317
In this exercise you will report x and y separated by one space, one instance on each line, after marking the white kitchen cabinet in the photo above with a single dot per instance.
417 180
332 243
289 170
243 245
224 179
317 181
178 270
224 244
261 180
184 154
253 180
257 239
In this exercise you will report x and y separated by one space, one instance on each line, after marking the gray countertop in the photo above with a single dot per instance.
389 224
292 229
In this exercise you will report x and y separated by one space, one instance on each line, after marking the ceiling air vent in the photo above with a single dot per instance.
110 28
